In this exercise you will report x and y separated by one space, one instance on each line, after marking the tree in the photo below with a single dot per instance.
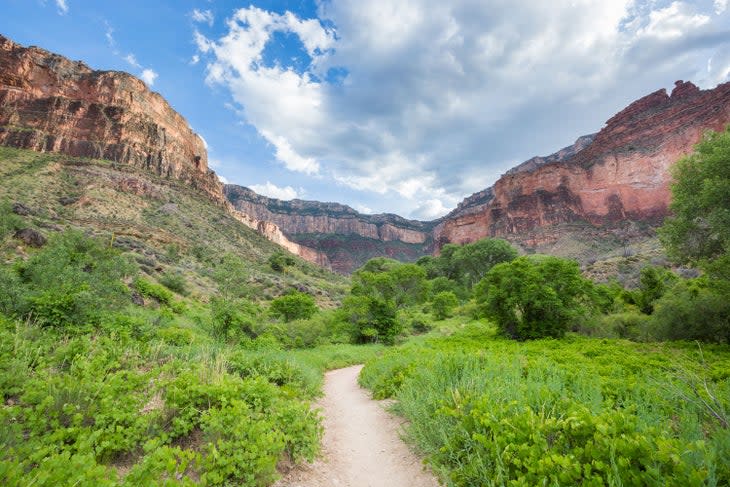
474 260
373 317
699 230
294 306
533 297
443 304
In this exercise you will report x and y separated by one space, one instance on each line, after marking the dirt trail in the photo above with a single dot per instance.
361 445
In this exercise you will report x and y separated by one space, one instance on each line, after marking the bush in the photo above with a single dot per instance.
443 304
73 280
534 297
279 261
233 318
149 289
696 309
175 282
294 306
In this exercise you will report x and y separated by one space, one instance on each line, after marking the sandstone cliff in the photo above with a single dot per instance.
51 104
347 237
621 174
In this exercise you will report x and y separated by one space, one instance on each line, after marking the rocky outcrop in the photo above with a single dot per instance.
347 237
621 174
51 104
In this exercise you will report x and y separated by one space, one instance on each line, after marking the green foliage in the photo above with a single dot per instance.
653 283
279 261
233 318
373 317
570 412
232 276
405 284
152 290
534 297
71 281
9 221
468 264
443 304
294 306
175 282
699 230
697 309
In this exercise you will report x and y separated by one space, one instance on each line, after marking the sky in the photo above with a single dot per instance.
398 106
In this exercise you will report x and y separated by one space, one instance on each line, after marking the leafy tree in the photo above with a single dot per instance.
373 317
443 304
533 297
294 306
699 231
653 283
409 284
474 260
405 284
232 276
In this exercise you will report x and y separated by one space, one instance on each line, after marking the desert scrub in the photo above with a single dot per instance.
578 411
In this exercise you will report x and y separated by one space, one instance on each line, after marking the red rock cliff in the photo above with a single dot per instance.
51 104
622 174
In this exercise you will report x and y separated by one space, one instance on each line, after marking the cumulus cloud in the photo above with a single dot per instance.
62 7
407 98
203 16
148 76
720 6
273 191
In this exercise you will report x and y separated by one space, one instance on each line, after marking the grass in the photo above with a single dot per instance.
488 411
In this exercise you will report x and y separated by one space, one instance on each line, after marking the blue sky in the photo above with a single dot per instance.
402 106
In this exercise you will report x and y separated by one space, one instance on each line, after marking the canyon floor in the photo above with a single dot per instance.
362 445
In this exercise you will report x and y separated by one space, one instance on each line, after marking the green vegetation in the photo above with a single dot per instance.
294 306
577 411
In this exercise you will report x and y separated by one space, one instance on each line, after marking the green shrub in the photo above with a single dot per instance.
175 282
534 297
631 325
149 289
443 304
697 309
374 319
233 318
9 221
73 280
294 306
279 261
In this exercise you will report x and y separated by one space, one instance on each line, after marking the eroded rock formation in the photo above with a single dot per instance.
347 237
49 103
622 173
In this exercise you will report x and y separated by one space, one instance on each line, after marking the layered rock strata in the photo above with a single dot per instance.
49 103
621 174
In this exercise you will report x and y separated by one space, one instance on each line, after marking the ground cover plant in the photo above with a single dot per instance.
485 410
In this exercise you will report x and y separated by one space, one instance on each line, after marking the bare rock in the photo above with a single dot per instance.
31 237
21 209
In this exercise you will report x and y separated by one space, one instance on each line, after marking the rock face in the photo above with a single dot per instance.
51 104
621 173
347 237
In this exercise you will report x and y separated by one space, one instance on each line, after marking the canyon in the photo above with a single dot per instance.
49 103
620 174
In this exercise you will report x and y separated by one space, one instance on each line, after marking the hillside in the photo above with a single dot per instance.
166 225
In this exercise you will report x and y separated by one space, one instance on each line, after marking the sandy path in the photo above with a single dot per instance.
361 445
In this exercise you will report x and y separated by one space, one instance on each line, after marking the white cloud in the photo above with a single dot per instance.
430 210
364 209
674 21
720 6
273 191
62 7
223 179
203 16
132 60
194 60
431 93
148 76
